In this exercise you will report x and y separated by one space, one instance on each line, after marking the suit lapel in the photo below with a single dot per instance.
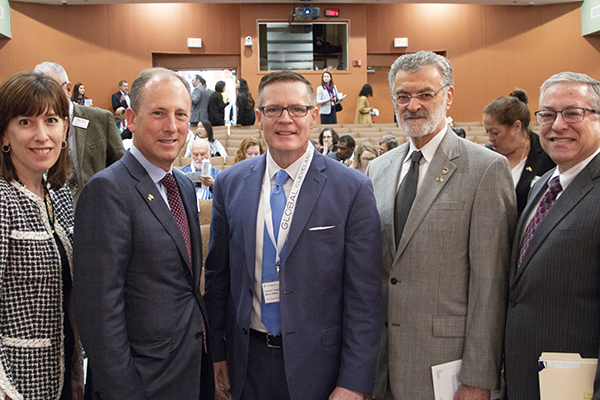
152 197
577 190
307 199
433 183
252 185
388 195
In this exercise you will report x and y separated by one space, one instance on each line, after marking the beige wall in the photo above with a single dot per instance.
493 49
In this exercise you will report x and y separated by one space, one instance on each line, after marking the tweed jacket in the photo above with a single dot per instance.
31 309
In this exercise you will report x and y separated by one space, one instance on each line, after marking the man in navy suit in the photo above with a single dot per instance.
121 98
138 257
328 283
554 283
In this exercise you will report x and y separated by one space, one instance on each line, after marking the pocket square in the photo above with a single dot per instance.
321 228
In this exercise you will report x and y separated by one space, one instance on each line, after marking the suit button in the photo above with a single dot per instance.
245 330
250 290
386 325
394 281
198 335
512 303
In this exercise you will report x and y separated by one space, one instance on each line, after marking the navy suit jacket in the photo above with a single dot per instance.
137 296
554 296
331 302
116 101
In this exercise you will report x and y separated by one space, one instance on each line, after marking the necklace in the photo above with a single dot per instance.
49 208
524 150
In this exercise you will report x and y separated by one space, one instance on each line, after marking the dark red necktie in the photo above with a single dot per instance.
180 216
545 205
178 211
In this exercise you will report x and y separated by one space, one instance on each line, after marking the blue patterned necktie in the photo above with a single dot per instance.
270 312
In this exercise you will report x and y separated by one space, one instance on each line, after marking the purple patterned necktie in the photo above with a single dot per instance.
545 205
178 211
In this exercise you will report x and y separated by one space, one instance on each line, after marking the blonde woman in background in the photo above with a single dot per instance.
250 147
365 153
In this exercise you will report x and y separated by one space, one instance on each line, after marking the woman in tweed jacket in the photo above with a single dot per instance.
40 356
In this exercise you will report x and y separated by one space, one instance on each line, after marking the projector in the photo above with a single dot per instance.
307 13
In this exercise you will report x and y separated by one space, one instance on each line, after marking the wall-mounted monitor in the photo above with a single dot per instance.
305 46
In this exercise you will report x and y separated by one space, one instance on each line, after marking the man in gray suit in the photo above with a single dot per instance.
446 254
94 140
199 101
138 258
554 284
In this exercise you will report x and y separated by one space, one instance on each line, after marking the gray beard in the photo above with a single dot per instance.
434 119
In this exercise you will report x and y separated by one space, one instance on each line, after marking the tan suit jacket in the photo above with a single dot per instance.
446 284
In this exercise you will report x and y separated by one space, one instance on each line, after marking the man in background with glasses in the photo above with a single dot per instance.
448 211
294 263
554 284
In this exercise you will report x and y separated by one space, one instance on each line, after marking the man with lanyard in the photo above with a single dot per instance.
293 275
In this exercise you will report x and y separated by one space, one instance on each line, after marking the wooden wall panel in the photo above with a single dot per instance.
492 48
100 45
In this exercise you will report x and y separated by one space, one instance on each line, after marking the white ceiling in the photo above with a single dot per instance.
312 2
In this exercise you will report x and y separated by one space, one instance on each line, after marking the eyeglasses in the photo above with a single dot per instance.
569 115
295 111
423 97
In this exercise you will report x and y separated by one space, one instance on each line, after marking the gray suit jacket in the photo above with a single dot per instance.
199 104
137 296
446 285
554 296
99 145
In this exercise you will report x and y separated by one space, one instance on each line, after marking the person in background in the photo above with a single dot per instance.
204 131
94 140
386 143
328 140
365 153
554 284
249 148
345 150
79 94
327 97
216 105
122 123
121 98
201 152
40 353
199 101
506 121
244 104
363 110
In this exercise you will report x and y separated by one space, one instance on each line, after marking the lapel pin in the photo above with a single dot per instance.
444 171
150 197
529 169
440 179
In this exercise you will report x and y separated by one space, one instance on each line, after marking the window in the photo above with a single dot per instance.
303 47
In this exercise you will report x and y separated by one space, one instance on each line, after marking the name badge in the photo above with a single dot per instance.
271 292
80 122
